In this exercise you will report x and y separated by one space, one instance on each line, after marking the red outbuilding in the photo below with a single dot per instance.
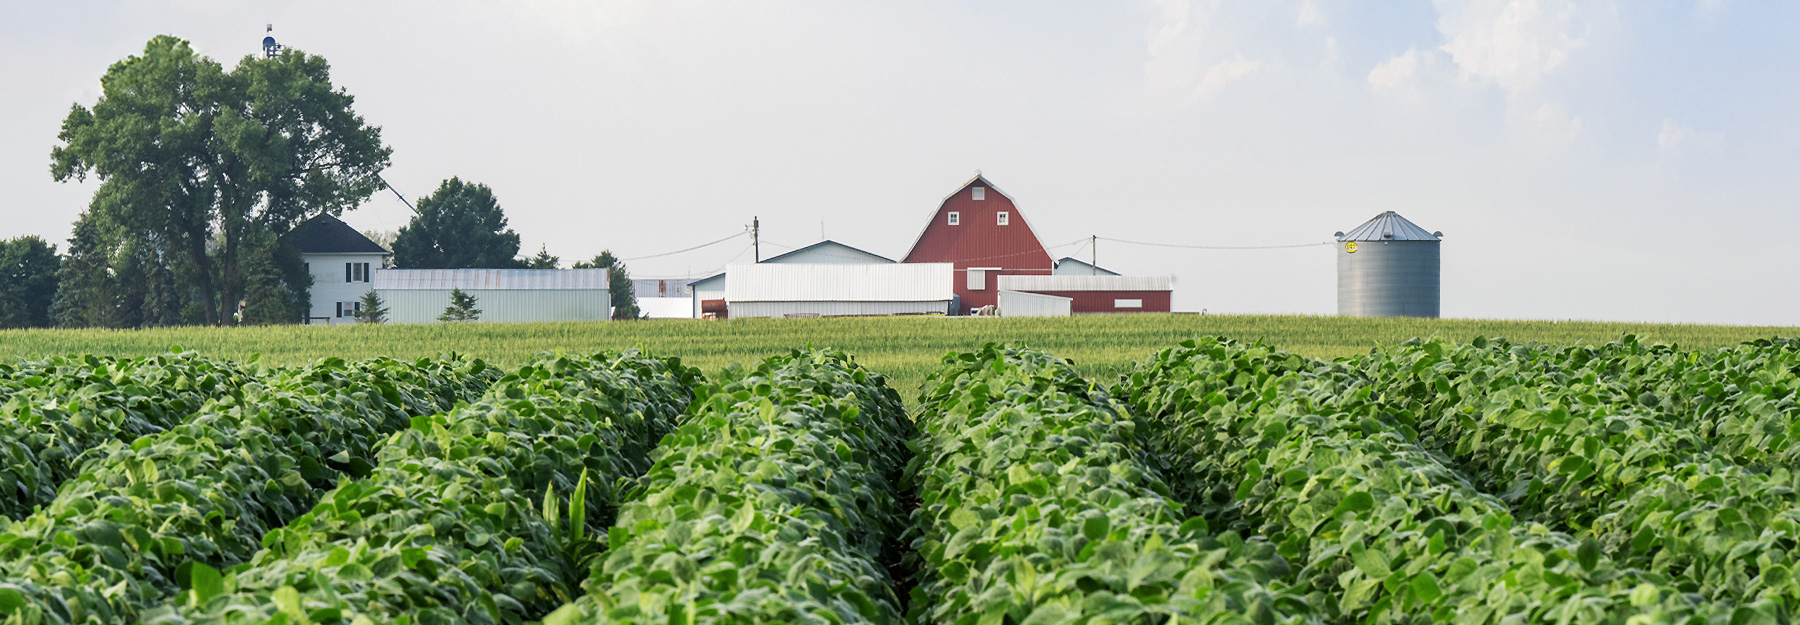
980 230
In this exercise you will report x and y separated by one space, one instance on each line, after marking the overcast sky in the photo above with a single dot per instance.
1586 159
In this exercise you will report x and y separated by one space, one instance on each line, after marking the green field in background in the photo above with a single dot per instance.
904 348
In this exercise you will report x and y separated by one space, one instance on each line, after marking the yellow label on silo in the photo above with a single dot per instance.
1350 247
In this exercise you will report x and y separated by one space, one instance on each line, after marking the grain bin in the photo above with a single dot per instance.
1388 267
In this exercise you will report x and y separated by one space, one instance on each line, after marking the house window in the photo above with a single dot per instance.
349 273
356 272
977 279
1128 303
1000 218
979 193
955 218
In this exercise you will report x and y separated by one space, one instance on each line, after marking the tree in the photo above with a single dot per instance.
373 310
461 308
202 161
276 284
618 282
86 290
543 260
385 239
458 226
28 279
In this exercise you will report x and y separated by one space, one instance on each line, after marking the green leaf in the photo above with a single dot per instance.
1425 587
1371 562
1096 527
1588 554
1645 595
1358 501
207 583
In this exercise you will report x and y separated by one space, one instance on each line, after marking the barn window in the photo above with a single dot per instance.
1128 303
955 218
1000 218
977 279
979 193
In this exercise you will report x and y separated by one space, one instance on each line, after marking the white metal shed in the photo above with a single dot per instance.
503 295
796 290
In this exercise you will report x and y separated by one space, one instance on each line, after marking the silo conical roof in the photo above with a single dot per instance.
1388 226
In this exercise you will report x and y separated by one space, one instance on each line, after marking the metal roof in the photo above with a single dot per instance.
828 251
491 279
1388 226
898 282
1071 266
1086 283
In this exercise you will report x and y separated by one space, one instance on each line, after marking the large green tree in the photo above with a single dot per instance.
458 226
28 278
206 162
618 282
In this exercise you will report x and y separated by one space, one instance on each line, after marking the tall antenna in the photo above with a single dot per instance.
270 48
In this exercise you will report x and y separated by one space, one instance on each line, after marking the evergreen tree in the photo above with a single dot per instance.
373 310
543 260
87 291
618 282
461 308
459 226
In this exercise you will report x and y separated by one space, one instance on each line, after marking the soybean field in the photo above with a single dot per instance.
1213 480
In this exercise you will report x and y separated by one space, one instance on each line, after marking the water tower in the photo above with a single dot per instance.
270 48
1388 267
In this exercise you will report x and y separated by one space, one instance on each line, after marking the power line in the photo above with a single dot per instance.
683 250
1214 247
1026 252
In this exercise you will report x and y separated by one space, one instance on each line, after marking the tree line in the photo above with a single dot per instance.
201 172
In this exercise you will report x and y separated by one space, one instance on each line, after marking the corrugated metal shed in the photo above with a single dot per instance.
828 252
1070 266
1388 226
501 305
1086 283
908 282
490 279
1022 304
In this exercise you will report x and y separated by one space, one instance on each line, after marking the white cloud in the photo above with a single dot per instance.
1513 43
1310 15
1396 71
1549 122
1188 56
1709 8
1672 136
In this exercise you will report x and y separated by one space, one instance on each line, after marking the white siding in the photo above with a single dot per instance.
909 282
744 310
500 305
1085 283
1020 304
329 287
828 253
666 307
491 279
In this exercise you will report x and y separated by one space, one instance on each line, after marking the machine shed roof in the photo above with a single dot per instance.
898 282
491 279
1388 226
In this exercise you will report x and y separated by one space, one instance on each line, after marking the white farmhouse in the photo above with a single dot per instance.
342 262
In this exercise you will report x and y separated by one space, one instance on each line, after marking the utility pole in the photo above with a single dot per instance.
755 238
1094 254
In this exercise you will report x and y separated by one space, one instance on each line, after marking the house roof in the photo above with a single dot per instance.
1388 226
329 235
828 243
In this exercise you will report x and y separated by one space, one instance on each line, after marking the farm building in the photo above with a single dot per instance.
660 298
342 262
1097 294
1388 267
709 292
980 230
345 265
420 295
840 290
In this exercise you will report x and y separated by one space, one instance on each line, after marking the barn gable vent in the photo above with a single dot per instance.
979 193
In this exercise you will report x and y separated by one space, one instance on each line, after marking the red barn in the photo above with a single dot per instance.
980 231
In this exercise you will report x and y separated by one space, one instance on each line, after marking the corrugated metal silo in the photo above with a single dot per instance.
1388 267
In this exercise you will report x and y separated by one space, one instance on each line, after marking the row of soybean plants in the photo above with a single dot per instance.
1679 463
55 409
1379 524
462 516
1040 504
774 502
202 486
